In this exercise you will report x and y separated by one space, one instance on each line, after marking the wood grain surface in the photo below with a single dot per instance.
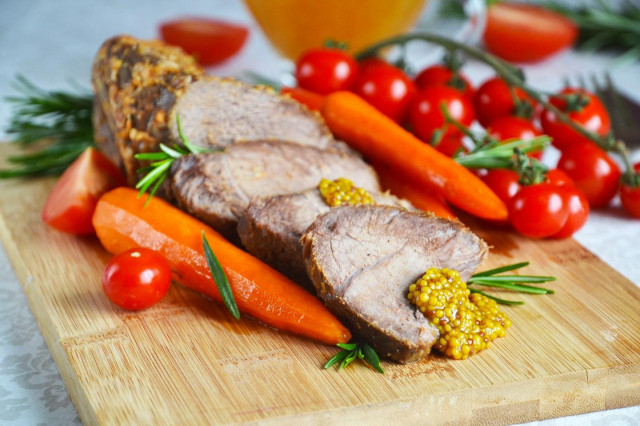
187 361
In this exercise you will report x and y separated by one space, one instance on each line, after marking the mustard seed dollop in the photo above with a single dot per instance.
343 191
468 322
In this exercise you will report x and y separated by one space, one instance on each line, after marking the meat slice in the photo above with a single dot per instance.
271 227
217 187
140 87
362 259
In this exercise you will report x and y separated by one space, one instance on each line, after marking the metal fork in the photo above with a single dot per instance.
624 111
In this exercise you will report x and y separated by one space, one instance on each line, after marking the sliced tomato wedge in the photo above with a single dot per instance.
527 33
70 204
211 41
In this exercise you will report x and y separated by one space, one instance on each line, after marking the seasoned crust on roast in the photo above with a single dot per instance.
362 259
140 86
136 84
271 228
217 187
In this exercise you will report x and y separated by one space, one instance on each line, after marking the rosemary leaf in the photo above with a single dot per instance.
532 279
348 346
501 269
220 278
497 299
371 357
521 288
336 358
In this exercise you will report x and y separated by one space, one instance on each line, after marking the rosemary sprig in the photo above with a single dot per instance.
605 26
60 123
159 169
491 278
353 351
220 278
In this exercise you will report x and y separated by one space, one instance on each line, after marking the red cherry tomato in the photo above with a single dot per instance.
527 33
71 202
630 196
593 171
493 100
539 211
441 75
426 115
504 183
450 145
560 178
578 211
387 88
509 127
211 41
136 278
593 117
325 70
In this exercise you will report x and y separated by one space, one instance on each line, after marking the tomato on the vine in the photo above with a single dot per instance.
539 210
211 41
450 145
325 70
387 88
503 182
136 278
578 211
593 117
592 170
441 75
527 33
559 177
511 127
494 99
630 196
426 115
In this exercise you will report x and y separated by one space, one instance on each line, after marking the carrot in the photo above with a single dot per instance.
122 222
422 198
312 100
382 140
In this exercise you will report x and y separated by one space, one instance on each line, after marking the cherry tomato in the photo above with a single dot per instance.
559 178
387 88
136 278
71 202
578 211
493 100
539 210
325 70
450 145
592 170
426 115
593 117
527 33
509 127
504 183
630 196
441 75
211 41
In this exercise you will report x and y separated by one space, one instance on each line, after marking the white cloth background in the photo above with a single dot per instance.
52 43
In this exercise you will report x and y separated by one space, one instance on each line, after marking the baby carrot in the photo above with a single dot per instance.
122 222
421 197
312 100
383 141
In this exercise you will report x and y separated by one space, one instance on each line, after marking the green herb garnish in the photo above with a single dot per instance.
159 169
491 278
353 351
60 124
220 278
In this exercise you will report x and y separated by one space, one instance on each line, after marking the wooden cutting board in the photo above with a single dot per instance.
186 361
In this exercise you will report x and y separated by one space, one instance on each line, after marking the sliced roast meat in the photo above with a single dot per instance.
140 87
271 227
362 259
217 187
